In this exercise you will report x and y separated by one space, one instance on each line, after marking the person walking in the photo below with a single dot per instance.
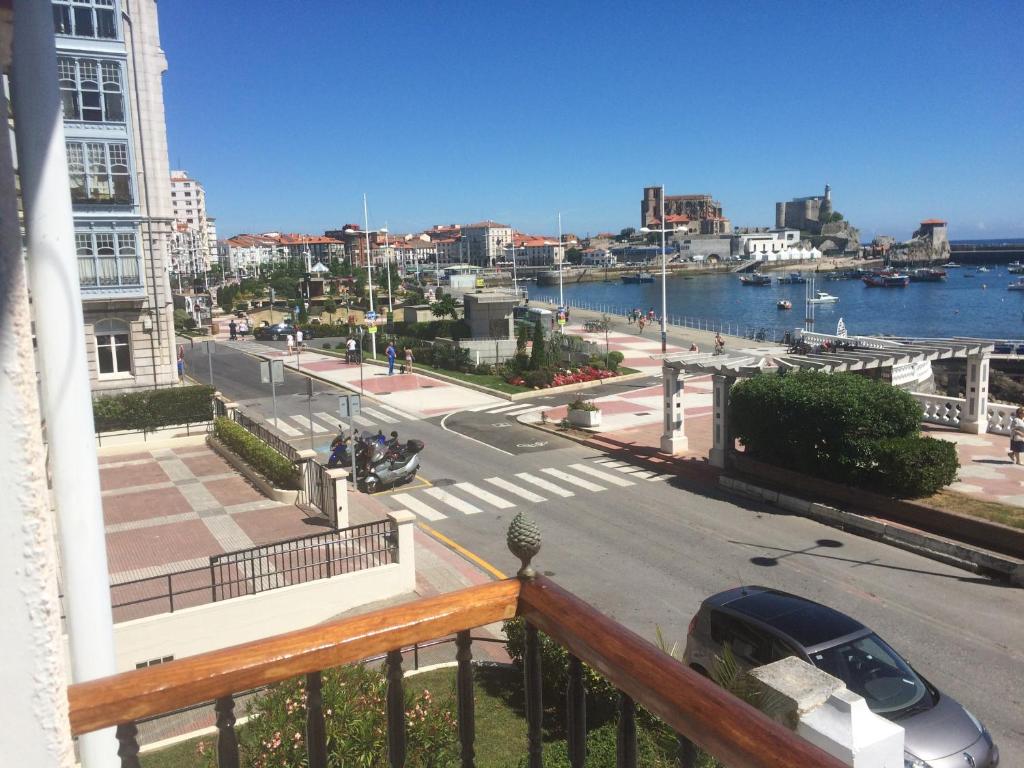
719 343
298 339
408 360
291 343
243 327
233 330
181 362
350 348
1016 436
641 322
390 352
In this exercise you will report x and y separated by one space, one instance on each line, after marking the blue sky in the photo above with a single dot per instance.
448 112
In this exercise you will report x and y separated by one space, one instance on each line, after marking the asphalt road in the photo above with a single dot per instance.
647 551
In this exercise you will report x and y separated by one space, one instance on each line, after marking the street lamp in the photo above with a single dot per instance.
515 279
664 271
369 267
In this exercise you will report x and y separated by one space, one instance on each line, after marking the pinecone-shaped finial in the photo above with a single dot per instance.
523 541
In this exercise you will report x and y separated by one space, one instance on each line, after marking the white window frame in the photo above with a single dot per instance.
76 82
93 8
120 266
112 335
99 164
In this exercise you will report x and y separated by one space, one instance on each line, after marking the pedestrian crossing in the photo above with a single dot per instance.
297 425
594 475
513 409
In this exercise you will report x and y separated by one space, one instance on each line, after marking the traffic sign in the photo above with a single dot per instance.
372 329
272 368
348 406
371 315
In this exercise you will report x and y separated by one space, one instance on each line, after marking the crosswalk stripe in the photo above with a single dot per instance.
504 408
644 474
480 408
378 415
327 418
453 501
487 496
284 426
540 482
605 476
522 410
659 477
585 484
629 469
397 412
611 463
520 492
303 423
417 506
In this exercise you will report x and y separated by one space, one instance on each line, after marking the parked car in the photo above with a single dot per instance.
280 331
763 625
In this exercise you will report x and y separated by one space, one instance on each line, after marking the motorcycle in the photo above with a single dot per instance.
385 466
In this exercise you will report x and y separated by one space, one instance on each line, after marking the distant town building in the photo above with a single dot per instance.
806 214
194 245
930 242
699 214
320 248
109 70
597 257
485 241
537 251
752 244
248 255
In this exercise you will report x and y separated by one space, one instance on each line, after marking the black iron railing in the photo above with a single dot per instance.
321 492
272 439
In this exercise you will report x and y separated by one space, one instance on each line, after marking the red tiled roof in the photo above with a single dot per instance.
933 221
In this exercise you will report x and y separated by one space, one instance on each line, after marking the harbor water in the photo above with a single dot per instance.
967 303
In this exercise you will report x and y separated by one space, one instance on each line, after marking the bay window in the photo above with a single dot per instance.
85 18
99 173
91 90
107 259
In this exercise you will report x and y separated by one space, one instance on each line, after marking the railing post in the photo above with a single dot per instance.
227 740
396 711
316 736
523 540
625 743
687 752
128 747
576 714
466 702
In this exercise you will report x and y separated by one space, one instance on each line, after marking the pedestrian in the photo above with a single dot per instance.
719 343
291 343
641 322
298 340
181 362
390 352
233 330
650 315
1016 436
408 360
243 327
350 348
693 347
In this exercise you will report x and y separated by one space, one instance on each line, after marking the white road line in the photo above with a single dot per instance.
303 422
611 463
605 476
328 418
487 496
540 482
659 477
520 492
504 408
284 426
629 469
378 415
527 409
417 506
645 474
578 481
399 413
362 420
452 501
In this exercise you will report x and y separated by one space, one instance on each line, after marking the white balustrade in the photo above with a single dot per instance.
946 411
999 417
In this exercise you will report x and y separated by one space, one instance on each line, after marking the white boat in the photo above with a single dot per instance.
820 297
951 265
983 269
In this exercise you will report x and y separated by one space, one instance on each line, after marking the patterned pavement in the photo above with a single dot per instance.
986 472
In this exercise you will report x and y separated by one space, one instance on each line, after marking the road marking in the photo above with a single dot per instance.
659 477
527 409
453 501
605 476
400 413
487 496
378 415
417 506
627 468
611 463
504 408
476 559
283 426
303 422
467 437
328 418
520 492
363 421
579 481
645 474
540 482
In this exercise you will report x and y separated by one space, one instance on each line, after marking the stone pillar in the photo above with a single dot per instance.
406 522
721 442
673 435
974 417
821 710
304 459
339 477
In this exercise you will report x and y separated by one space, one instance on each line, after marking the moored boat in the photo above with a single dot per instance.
887 280
793 278
1015 268
820 297
951 265
1016 285
927 275
755 278
639 277
784 304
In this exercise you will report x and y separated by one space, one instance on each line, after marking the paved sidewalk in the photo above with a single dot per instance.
986 472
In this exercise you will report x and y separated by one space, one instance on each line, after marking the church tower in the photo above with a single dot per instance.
825 212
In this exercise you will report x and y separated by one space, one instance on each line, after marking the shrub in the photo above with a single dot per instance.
582 405
539 378
484 369
615 360
912 466
601 750
355 721
538 355
152 409
281 472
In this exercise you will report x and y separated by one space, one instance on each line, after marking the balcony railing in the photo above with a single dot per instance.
698 710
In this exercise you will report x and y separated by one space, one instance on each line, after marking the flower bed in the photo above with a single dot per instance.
561 378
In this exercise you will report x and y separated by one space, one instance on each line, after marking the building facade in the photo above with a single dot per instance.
752 244
534 251
193 227
808 214
701 214
484 242
110 68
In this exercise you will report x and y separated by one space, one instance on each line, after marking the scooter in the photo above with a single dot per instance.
384 467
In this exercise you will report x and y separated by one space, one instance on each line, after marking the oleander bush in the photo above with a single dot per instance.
355 721
152 409
281 472
840 427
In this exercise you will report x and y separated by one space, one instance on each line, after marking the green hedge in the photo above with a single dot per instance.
151 409
272 465
840 427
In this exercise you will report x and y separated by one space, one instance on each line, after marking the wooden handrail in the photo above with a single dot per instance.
733 731
145 692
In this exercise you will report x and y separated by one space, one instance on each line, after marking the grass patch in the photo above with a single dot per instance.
490 381
177 756
961 504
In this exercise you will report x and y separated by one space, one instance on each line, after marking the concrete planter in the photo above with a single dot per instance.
584 418
282 495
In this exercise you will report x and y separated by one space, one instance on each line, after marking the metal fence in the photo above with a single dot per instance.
321 492
259 569
272 439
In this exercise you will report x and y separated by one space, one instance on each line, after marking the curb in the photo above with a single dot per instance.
938 548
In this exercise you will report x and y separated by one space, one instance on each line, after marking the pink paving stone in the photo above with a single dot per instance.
112 478
159 544
637 394
144 505
326 365
275 524
124 457
232 490
209 464
403 382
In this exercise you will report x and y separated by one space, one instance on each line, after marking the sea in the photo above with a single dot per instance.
968 303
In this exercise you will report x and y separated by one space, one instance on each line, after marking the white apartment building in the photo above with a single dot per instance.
484 242
538 251
188 200
248 255
771 241
110 68
598 257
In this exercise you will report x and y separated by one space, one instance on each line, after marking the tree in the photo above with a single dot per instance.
330 308
445 307
522 338
574 256
538 354
625 234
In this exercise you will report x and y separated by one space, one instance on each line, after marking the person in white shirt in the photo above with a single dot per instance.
298 340
291 343
1016 436
351 347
